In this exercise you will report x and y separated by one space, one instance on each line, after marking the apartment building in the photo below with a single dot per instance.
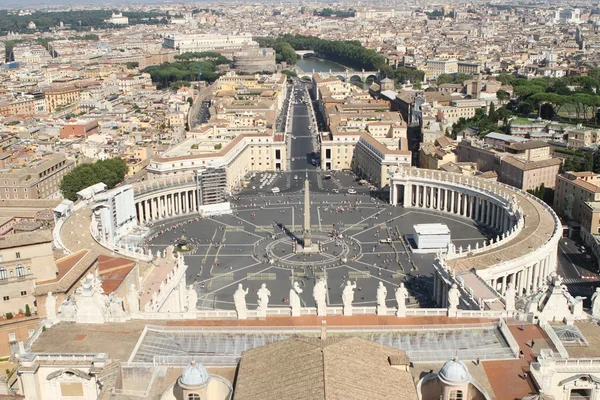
435 155
37 179
436 66
78 129
577 138
461 109
523 164
24 259
61 96
468 67
584 186
203 42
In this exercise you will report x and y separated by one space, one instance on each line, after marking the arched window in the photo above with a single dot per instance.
20 270
456 395
193 396
3 274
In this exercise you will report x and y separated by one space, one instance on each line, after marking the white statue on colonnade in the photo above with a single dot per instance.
295 299
348 297
239 299
320 296
401 296
381 296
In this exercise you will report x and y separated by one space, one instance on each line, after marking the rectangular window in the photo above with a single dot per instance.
6 298
23 292
12 337
18 255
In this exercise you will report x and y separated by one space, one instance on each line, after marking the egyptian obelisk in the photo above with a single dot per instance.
307 240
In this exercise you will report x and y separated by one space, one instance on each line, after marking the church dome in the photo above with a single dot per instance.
194 376
454 373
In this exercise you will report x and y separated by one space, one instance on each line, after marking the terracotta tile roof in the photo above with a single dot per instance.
25 239
65 264
311 369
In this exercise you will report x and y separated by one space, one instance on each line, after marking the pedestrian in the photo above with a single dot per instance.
525 375
521 354
532 343
477 361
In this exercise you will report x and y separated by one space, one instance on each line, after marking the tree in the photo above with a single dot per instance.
111 172
443 78
502 95
27 310
190 100
567 210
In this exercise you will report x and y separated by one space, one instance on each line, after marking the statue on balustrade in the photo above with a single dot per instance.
263 297
295 299
348 297
453 297
401 296
381 296
509 297
192 298
320 296
596 303
239 299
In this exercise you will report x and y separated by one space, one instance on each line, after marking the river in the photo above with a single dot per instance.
319 65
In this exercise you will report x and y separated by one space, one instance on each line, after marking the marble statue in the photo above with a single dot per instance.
320 296
453 297
133 299
596 303
578 308
509 297
263 297
401 296
348 297
92 303
115 307
381 295
192 298
67 310
50 306
295 299
239 299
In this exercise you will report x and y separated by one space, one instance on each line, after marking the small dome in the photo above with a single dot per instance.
194 376
454 373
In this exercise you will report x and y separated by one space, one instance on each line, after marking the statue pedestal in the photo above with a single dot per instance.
322 311
381 310
312 249
261 313
295 312
347 312
242 315
452 312
401 313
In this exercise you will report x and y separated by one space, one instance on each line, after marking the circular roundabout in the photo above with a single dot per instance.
285 251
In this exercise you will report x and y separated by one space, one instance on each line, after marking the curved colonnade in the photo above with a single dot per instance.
524 252
165 198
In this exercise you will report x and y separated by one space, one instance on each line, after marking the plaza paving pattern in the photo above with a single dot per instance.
229 249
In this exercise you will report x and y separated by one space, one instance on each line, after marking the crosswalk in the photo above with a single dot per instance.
581 290
570 281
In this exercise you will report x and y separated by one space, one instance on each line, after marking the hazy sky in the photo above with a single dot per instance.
23 4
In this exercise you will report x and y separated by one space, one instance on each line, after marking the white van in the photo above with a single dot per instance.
275 190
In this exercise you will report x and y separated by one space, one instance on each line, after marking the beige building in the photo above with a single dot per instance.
61 96
37 180
24 258
435 155
584 186
461 109
523 164
437 66
577 138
